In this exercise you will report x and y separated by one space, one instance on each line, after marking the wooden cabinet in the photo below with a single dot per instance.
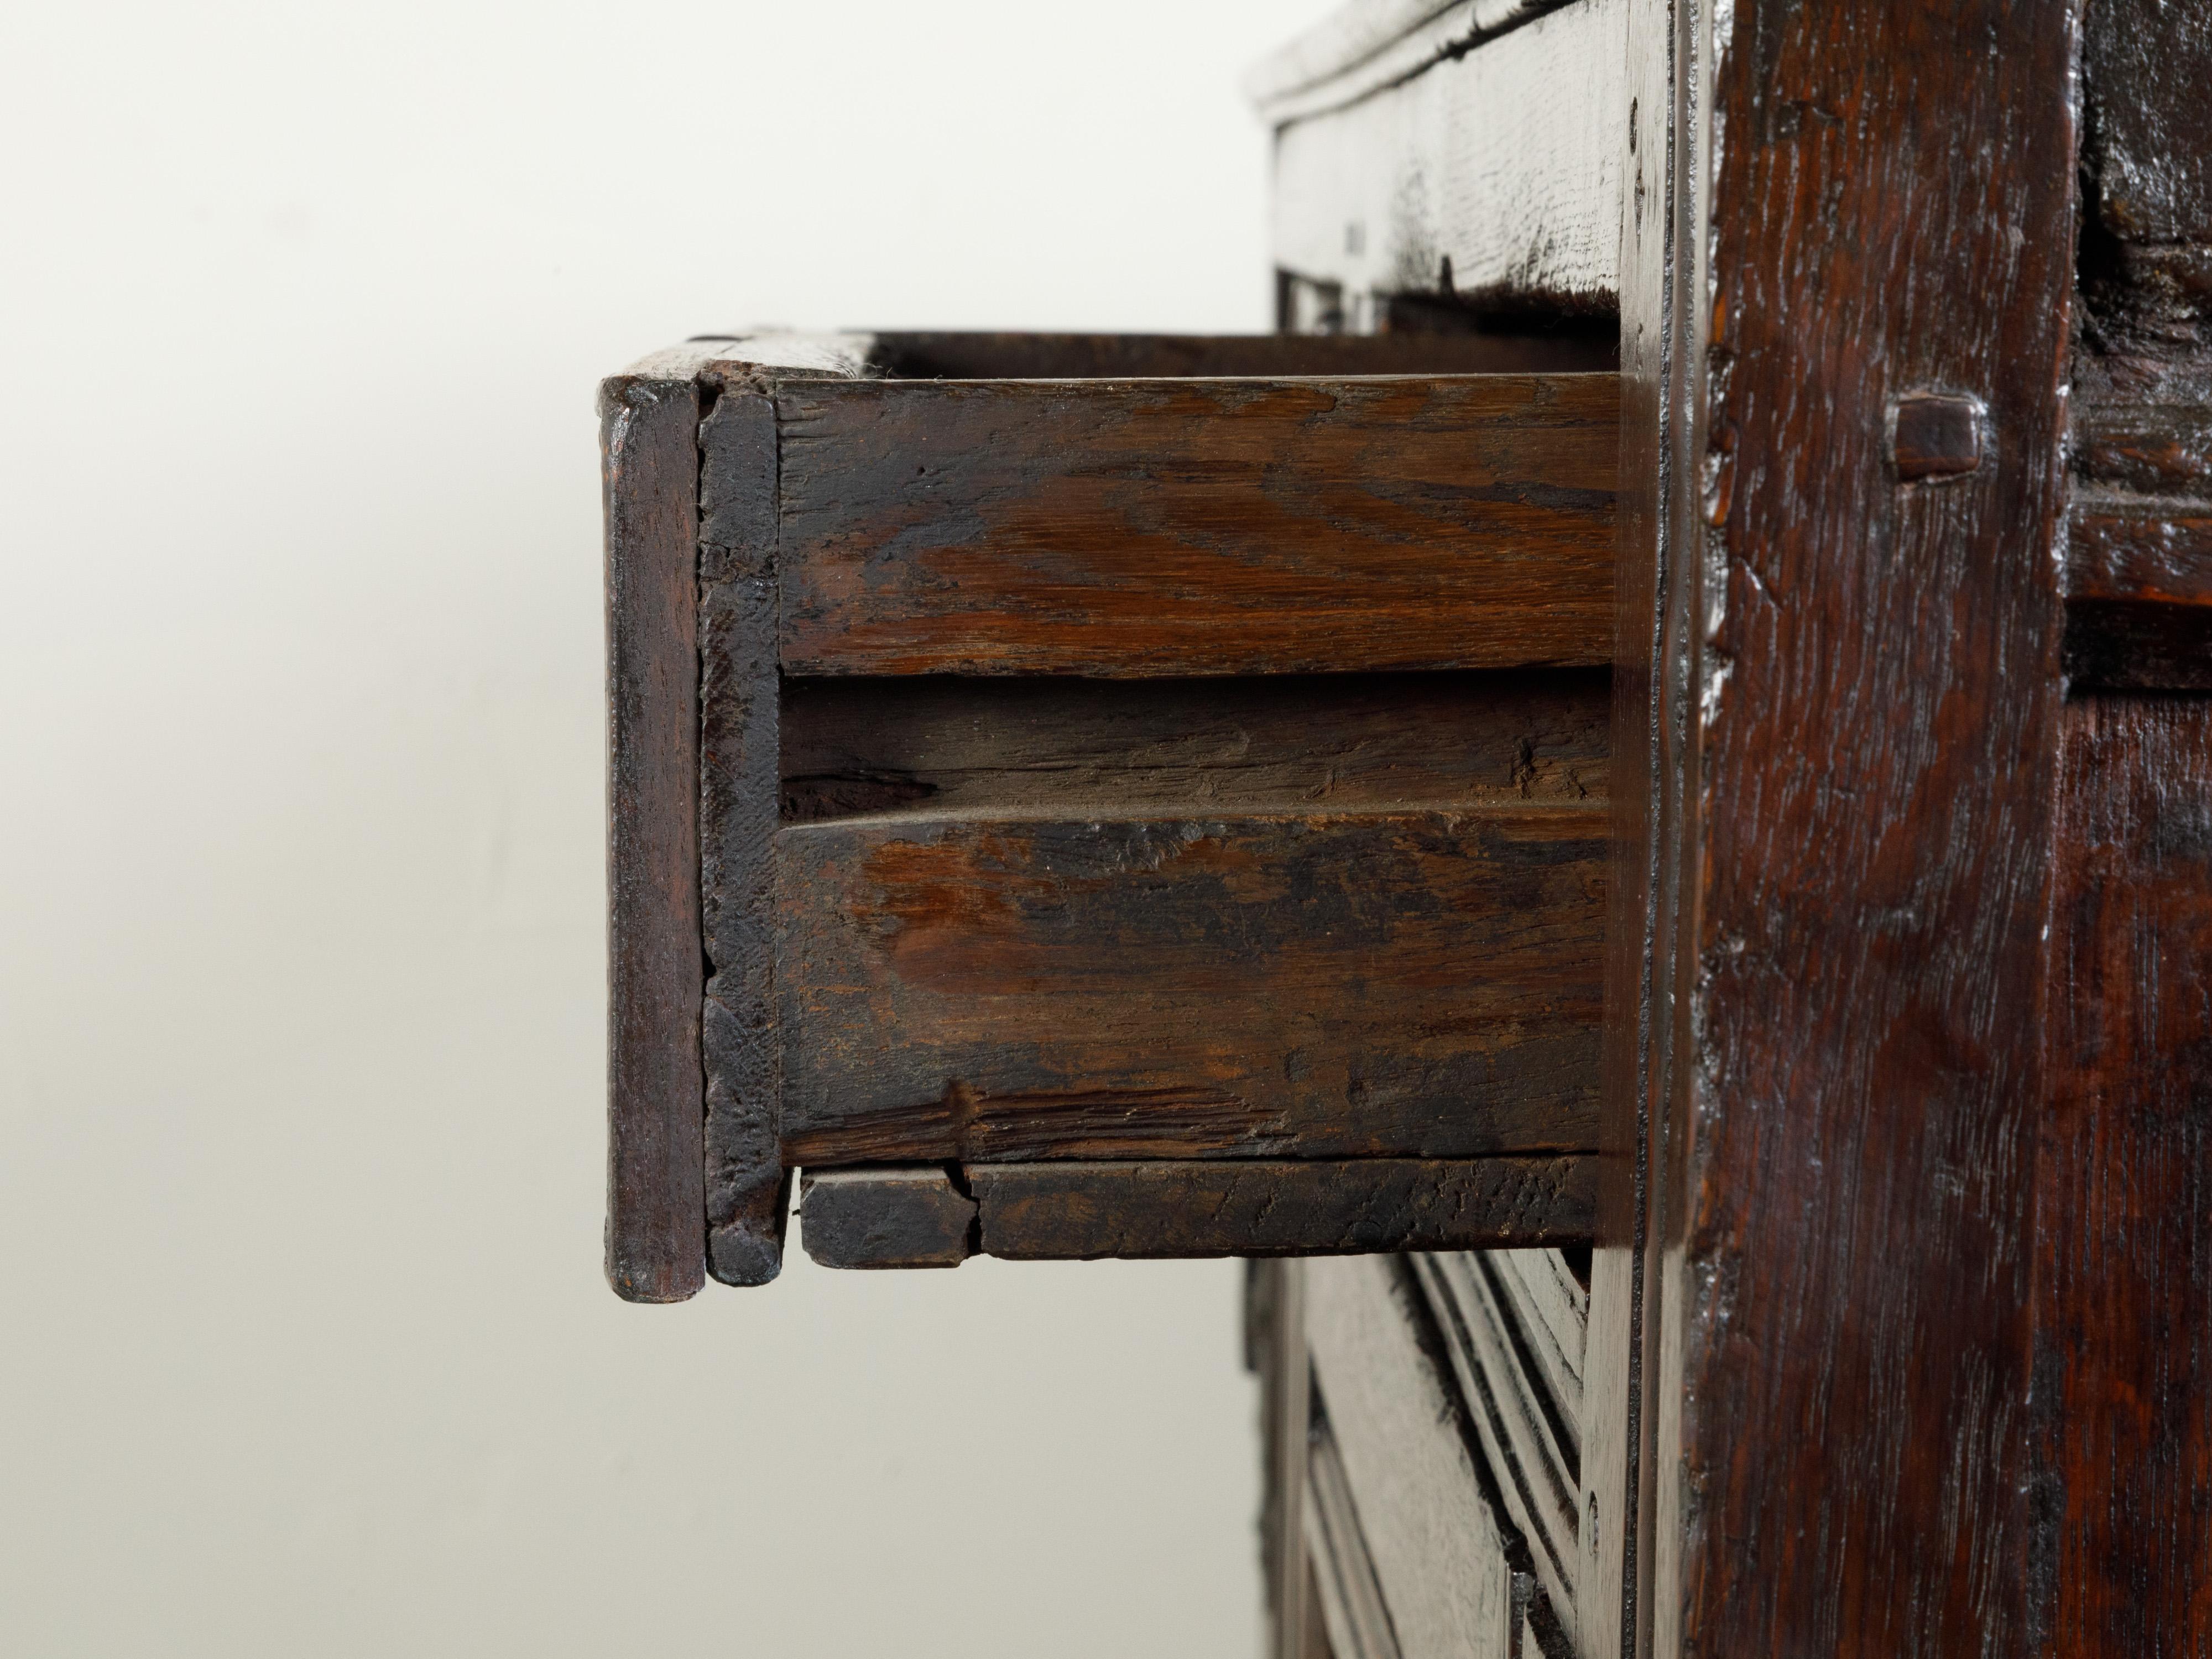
1628 802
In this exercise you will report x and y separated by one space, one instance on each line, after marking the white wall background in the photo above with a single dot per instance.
303 1345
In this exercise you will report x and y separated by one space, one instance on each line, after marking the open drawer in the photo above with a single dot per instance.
1081 796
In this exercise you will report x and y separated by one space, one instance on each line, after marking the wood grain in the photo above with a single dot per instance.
1417 984
2146 249
2139 545
1519 1421
885 1218
655 1204
2139 568
1350 1595
2155 557
1666 164
1280 743
747 1187
1364 48
1501 164
2123 1443
2144 448
1168 1208
2139 598
1194 527
1849 787
779 481
1550 1311
1454 1572
2124 1284
2147 64
1275 1348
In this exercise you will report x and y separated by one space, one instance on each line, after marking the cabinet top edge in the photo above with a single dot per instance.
1355 43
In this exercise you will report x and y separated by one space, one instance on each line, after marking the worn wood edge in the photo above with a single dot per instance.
1530 813
1178 1209
1172 1209
747 1183
2139 597
2161 450
656 1231
2160 555
885 1218
2120 1456
719 357
1665 158
766 358
1369 45
717 360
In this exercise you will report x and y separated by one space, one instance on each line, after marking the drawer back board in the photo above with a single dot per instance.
1146 796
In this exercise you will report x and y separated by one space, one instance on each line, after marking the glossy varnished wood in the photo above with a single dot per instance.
2123 1530
1194 527
2139 548
2148 62
2139 566
1842 814
2139 596
2124 1293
